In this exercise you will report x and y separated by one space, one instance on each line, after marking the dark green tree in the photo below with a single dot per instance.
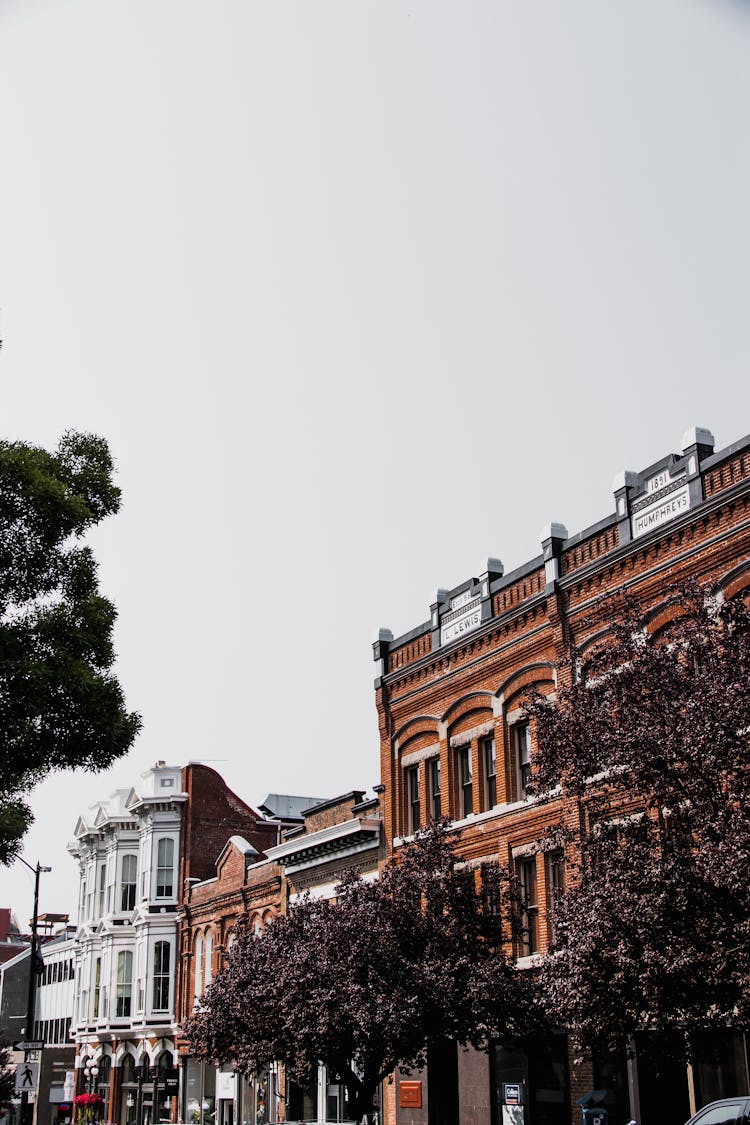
370 981
60 705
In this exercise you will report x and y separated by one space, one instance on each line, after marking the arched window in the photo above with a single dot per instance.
165 868
127 1069
102 1084
129 1090
209 959
124 995
198 961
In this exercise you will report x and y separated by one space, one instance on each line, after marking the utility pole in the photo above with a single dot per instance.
26 1108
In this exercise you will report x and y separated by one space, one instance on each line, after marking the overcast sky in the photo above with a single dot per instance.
359 293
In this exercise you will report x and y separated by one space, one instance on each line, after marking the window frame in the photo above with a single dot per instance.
435 795
554 863
124 984
162 888
127 905
488 751
522 767
162 968
413 804
525 867
465 779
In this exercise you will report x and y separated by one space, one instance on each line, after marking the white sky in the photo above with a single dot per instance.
359 292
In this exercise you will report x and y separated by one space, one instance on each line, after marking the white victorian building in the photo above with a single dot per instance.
128 850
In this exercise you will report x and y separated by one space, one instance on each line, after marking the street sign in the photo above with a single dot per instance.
28 1045
27 1076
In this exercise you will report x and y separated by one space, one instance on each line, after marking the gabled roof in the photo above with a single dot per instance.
240 844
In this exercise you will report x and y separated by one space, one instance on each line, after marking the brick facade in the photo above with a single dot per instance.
449 692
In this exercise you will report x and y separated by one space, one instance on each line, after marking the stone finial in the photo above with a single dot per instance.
697 435
553 531
625 479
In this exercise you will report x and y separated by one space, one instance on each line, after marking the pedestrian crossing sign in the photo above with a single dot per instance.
27 1076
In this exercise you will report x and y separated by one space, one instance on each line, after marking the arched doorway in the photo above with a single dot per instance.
128 1091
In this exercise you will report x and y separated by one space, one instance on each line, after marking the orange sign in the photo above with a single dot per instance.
411 1095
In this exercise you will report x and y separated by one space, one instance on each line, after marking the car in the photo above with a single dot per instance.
726 1110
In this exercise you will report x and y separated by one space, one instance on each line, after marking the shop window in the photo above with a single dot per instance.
465 781
128 880
489 763
412 799
434 785
161 976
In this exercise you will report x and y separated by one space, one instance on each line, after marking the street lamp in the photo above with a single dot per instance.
90 1071
26 1107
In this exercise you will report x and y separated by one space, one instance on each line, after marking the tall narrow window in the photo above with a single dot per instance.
522 738
209 959
555 887
526 871
490 773
128 881
161 976
198 960
465 780
435 809
124 983
97 986
102 885
164 868
412 798
491 899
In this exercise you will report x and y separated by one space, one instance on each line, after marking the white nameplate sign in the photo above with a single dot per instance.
462 619
662 511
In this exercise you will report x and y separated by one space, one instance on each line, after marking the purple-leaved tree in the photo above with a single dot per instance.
650 745
368 982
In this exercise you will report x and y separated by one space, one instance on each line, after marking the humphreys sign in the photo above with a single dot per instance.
463 616
660 506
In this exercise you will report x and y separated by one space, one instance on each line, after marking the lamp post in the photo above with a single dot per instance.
90 1071
26 1109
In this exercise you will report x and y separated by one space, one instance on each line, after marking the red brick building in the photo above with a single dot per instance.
455 742
315 842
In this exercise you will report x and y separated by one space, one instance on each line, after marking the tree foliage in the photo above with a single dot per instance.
650 747
367 982
60 705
